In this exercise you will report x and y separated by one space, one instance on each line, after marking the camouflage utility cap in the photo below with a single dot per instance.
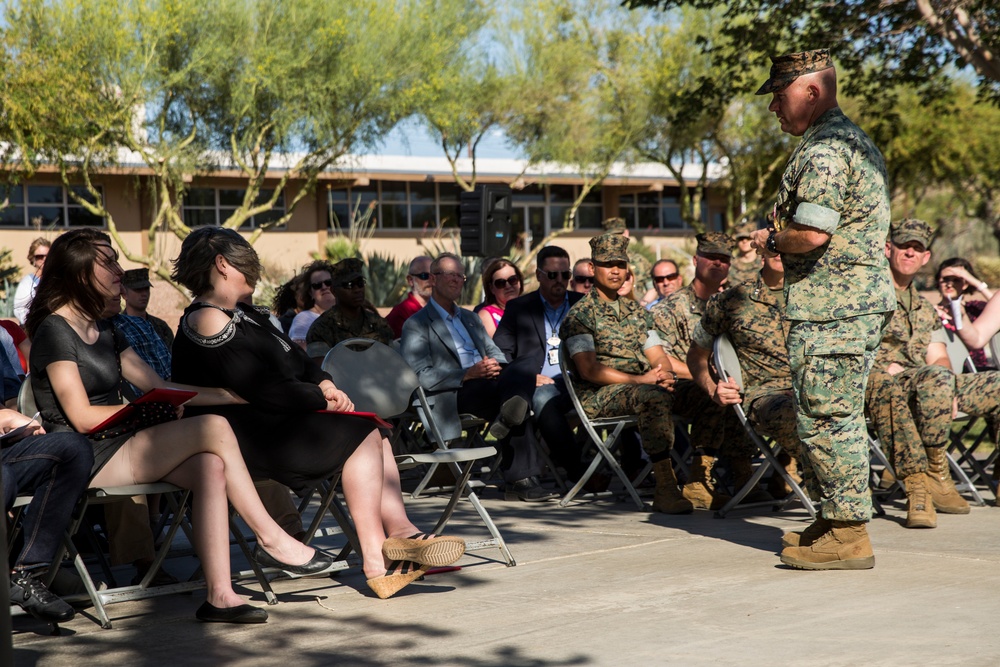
785 69
347 270
616 225
136 278
744 231
911 229
609 248
714 243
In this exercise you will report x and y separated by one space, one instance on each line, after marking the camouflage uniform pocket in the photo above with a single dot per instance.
830 377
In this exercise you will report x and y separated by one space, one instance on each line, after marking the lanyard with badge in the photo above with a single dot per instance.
553 339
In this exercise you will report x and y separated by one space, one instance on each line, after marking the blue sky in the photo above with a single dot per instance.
410 138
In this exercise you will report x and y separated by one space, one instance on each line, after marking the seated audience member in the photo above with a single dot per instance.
528 335
627 290
957 280
77 364
752 314
351 317
912 389
21 341
37 252
418 277
583 276
281 431
135 292
12 373
54 469
150 337
502 281
317 298
977 334
621 367
460 366
712 425
288 302
746 263
666 278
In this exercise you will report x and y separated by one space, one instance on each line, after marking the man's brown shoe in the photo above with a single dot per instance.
919 508
940 485
844 547
667 498
813 532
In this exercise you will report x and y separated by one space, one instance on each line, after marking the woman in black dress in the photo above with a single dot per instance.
224 342
77 364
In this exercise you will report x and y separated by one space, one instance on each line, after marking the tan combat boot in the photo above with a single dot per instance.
777 486
940 485
813 532
667 498
844 547
919 507
742 472
699 489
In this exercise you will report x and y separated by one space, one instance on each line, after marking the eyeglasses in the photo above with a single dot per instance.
669 276
423 275
353 284
552 275
38 257
583 279
321 284
451 274
500 283
951 280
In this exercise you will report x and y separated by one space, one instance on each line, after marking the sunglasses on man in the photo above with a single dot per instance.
583 280
423 275
669 276
552 275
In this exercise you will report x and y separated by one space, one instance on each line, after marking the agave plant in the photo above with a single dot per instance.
386 280
343 245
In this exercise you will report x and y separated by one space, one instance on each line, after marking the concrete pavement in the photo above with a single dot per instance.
596 583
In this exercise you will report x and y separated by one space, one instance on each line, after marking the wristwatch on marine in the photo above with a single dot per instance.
771 245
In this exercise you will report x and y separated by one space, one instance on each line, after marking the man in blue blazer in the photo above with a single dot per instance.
528 335
459 367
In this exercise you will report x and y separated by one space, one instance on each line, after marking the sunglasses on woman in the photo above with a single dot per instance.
500 283
321 284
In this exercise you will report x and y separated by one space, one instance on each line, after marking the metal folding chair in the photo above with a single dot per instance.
379 380
611 426
961 362
727 364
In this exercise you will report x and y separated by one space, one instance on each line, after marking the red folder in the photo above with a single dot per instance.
371 416
175 397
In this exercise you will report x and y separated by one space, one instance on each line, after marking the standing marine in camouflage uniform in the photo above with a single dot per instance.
831 221
913 390
712 425
621 366
351 317
746 264
752 314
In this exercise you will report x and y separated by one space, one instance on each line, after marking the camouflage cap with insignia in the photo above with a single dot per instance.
615 225
911 229
744 231
136 278
785 69
714 243
611 247
347 270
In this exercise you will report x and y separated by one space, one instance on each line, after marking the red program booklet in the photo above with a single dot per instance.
371 416
175 397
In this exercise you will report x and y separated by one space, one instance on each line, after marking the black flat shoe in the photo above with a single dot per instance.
320 563
244 613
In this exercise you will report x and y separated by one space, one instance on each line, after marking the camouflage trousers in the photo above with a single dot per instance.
650 403
773 415
715 428
979 396
910 411
830 362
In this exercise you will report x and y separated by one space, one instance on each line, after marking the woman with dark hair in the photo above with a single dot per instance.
223 341
956 281
288 302
77 365
317 298
502 281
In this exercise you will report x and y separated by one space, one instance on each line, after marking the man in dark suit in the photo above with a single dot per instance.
459 366
528 335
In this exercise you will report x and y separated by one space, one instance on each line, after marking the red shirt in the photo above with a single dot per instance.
15 331
401 312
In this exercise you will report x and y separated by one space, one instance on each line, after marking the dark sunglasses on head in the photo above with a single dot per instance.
423 275
583 279
669 276
552 275
322 283
500 283
352 284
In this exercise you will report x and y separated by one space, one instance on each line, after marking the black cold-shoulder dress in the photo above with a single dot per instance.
281 435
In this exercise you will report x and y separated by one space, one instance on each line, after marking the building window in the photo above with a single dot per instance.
46 207
213 206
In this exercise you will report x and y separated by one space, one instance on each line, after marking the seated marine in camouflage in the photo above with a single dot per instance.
621 365
351 317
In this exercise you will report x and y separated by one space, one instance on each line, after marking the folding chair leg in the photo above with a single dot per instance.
964 483
265 584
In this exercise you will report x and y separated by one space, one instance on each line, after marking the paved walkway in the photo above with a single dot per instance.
596 584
